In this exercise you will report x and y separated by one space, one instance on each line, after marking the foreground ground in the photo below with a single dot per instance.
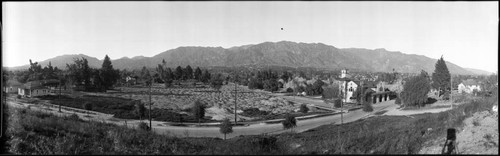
34 132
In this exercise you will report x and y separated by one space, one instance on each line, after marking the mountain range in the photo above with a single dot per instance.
284 53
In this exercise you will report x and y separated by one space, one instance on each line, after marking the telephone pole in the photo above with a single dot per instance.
451 90
235 104
150 84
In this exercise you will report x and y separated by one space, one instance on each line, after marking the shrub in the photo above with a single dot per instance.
398 100
446 96
254 112
87 106
367 107
304 108
139 109
289 122
337 103
226 127
73 117
289 90
18 96
143 126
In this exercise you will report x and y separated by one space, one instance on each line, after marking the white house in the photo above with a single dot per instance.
468 86
32 89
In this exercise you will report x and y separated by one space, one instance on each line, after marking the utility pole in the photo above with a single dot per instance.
451 90
235 105
60 80
150 84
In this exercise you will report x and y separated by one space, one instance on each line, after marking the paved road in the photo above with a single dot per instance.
257 129
254 129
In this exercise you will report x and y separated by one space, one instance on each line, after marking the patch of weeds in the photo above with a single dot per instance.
475 122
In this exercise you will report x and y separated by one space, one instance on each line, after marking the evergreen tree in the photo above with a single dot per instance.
415 90
441 76
206 77
178 73
188 73
198 110
197 74
109 76
145 75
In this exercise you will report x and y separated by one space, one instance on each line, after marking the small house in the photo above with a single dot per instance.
33 89
12 86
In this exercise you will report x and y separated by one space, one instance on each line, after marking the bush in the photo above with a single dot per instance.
289 122
303 108
19 96
73 117
143 126
367 107
398 101
289 90
254 112
226 127
337 103
87 106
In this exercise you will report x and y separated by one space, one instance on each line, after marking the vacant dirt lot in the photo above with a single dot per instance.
220 104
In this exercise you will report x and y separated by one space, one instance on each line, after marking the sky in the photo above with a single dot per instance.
465 33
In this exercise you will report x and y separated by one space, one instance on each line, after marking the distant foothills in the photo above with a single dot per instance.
284 53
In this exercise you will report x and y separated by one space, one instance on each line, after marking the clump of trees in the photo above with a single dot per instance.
226 127
331 95
267 80
415 90
315 89
80 74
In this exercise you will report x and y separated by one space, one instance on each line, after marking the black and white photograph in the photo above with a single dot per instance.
249 77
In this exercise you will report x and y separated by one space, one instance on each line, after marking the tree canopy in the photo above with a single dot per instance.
415 90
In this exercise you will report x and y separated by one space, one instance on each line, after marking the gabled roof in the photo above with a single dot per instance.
33 85
14 83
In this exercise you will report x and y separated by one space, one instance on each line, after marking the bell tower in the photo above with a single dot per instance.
343 73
